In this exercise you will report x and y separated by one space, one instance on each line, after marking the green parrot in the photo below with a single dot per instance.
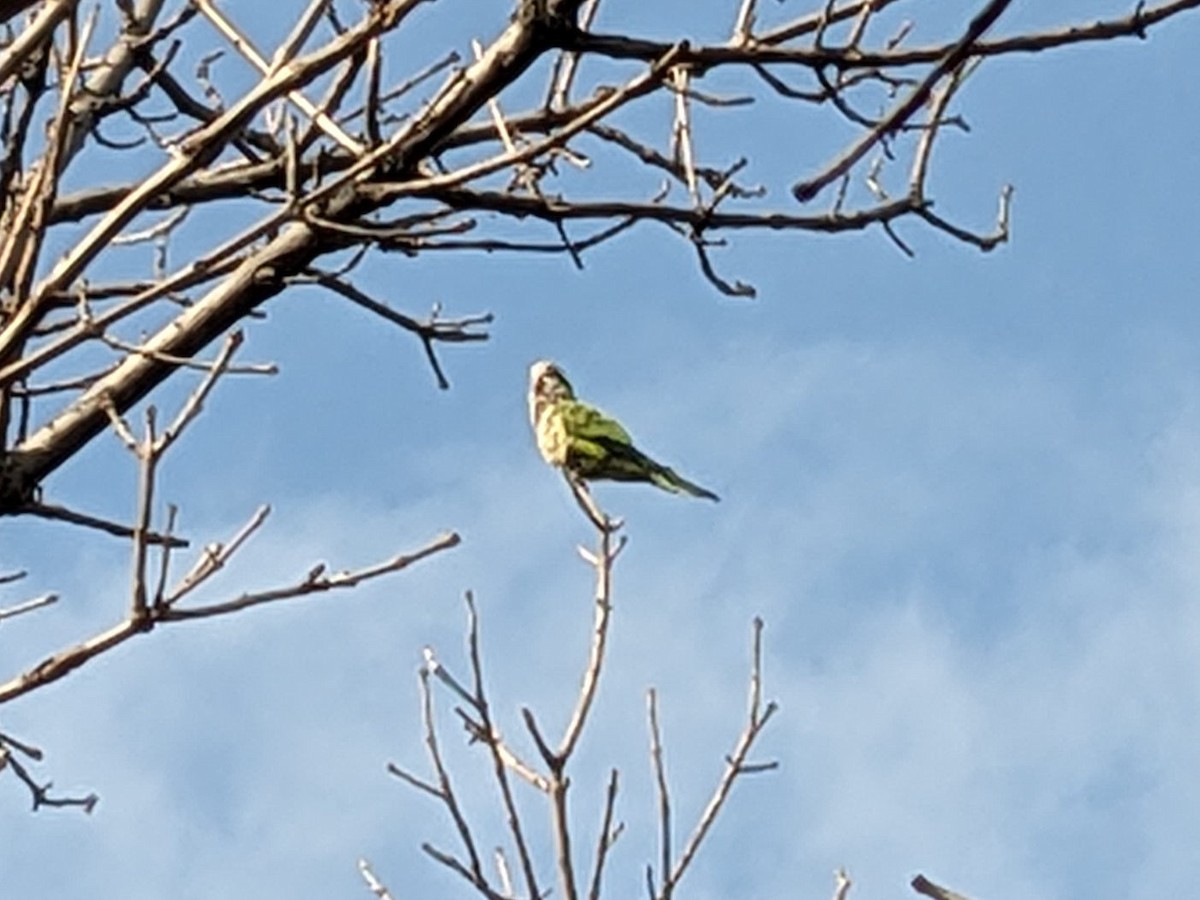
587 444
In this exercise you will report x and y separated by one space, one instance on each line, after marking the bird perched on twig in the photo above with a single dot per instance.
588 445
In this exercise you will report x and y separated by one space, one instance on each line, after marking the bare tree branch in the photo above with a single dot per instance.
923 885
555 784
316 581
607 837
27 606
664 795
74 517
297 190
842 884
11 751
374 885
736 765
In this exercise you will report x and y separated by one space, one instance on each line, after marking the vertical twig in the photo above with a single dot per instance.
556 761
938 103
567 64
681 132
841 884
603 562
373 105
744 24
148 463
502 872
735 764
664 797
444 786
164 568
607 837
492 737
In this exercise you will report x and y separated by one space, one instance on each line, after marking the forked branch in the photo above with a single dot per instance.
145 618
553 781
12 752
736 765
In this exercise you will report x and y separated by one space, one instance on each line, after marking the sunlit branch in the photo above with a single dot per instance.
27 606
374 885
316 581
736 765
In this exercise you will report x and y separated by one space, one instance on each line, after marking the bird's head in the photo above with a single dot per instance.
547 380
547 384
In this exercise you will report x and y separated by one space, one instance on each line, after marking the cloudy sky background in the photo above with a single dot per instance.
962 490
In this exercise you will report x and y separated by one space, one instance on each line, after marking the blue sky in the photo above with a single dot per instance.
963 490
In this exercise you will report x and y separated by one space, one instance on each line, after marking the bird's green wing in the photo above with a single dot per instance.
590 433
594 446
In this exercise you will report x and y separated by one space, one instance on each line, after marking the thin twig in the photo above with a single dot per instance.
39 793
87 520
376 887
214 557
195 401
146 472
445 787
841 884
64 662
568 63
316 581
500 760
413 781
603 561
270 69
183 362
664 796
923 885
442 674
743 25
594 111
607 837
430 331
960 51
455 865
27 606
735 764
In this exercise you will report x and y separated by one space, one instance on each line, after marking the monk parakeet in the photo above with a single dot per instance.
586 443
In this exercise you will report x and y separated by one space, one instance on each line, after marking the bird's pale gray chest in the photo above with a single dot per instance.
551 435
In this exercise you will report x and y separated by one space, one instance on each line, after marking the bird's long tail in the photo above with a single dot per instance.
625 462
669 480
